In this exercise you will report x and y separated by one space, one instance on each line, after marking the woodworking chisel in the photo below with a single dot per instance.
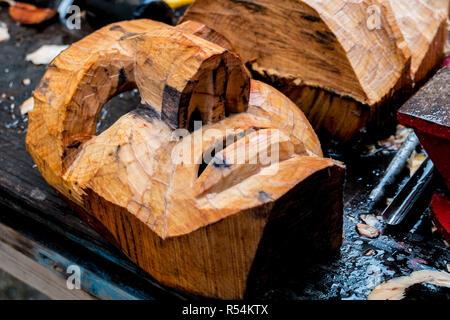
408 196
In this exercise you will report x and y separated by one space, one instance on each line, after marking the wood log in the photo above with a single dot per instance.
346 64
202 31
443 5
424 26
191 207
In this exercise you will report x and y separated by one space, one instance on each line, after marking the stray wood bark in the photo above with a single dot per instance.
345 64
192 225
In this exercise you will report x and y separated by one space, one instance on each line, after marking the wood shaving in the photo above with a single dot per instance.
392 143
370 219
415 161
367 231
27 106
395 289
4 35
45 54
26 13
370 253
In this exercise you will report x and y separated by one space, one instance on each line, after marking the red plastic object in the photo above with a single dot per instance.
428 112
446 62
440 207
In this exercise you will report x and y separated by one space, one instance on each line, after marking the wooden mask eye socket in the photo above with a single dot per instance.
176 72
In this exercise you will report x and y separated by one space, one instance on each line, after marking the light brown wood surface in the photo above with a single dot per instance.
425 31
443 5
200 227
344 63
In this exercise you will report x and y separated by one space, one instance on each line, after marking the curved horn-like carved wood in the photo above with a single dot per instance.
175 72
193 222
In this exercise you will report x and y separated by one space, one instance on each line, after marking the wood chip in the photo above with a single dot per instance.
394 142
367 231
4 35
25 13
415 161
370 219
45 54
27 106
389 201
395 289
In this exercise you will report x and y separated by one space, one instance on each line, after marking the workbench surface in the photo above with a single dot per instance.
41 236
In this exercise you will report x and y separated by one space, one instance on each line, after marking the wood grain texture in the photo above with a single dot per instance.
425 31
192 226
443 5
329 57
202 31
80 80
53 224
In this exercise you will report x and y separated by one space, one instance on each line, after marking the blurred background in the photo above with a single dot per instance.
14 289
